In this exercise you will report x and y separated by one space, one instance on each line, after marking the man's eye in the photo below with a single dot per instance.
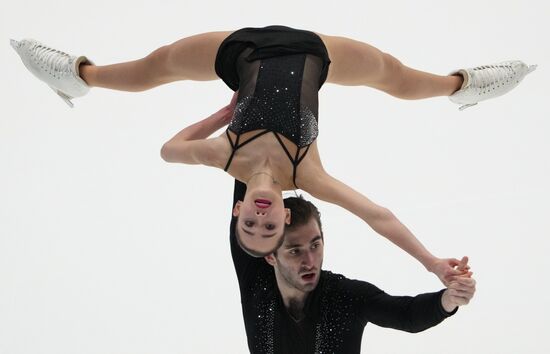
315 245
249 223
294 251
270 226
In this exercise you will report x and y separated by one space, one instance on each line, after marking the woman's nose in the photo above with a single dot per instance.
259 213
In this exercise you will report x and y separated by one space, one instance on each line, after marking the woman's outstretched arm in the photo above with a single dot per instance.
383 221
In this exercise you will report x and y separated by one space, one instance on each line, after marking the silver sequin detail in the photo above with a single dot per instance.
275 104
246 118
264 300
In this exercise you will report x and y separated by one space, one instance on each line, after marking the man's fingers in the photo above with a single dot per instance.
462 295
461 287
465 280
462 281
459 300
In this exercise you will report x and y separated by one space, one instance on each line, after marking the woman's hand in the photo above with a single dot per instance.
448 268
225 114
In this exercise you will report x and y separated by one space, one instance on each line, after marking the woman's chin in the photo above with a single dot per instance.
265 194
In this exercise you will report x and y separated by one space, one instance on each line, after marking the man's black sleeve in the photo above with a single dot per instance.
406 313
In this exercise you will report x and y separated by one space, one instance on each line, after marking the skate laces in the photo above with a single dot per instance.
487 76
55 60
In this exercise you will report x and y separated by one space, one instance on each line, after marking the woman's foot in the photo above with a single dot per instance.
57 69
489 81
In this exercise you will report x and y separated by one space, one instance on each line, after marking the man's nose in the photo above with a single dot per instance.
307 259
260 213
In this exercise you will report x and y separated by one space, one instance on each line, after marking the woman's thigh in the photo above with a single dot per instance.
354 62
193 58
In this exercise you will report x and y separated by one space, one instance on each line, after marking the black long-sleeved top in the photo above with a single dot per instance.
336 312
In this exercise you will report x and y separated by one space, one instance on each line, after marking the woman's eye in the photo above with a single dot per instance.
249 223
270 226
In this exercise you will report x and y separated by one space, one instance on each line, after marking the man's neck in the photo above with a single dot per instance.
293 299
295 309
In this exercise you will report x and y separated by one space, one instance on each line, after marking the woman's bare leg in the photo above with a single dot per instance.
356 63
191 58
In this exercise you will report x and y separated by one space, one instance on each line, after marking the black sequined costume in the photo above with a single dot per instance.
278 72
336 312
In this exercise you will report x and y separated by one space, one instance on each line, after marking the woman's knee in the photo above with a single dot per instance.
390 77
160 64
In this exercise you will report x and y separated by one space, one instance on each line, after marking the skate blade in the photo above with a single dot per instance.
64 97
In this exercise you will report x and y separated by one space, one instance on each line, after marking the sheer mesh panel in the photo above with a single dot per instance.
310 84
279 94
248 74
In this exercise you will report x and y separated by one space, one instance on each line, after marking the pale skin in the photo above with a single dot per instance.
353 63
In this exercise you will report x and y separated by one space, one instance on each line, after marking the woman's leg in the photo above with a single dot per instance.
191 58
356 63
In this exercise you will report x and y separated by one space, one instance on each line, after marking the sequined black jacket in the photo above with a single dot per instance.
336 312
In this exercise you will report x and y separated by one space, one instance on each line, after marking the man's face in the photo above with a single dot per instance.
299 259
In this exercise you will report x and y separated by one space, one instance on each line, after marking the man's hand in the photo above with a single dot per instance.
459 292
447 268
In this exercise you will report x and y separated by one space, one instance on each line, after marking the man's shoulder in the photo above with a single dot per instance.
339 278
334 282
331 276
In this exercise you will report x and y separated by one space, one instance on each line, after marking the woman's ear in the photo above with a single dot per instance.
237 208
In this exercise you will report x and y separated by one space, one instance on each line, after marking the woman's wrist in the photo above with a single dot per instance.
429 261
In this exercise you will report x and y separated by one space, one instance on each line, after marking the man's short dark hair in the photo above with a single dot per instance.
301 211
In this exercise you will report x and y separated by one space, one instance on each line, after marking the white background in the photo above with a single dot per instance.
104 248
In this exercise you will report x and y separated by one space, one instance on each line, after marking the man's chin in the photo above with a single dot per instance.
309 287
310 284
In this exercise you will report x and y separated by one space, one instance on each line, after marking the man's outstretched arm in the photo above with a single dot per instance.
415 314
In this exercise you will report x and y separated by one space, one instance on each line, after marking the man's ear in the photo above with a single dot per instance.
237 208
287 216
271 260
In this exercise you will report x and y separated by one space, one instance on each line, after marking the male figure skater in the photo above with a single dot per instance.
290 305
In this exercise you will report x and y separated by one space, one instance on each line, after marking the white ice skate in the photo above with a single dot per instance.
489 81
57 69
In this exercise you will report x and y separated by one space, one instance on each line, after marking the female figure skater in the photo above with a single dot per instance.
271 140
